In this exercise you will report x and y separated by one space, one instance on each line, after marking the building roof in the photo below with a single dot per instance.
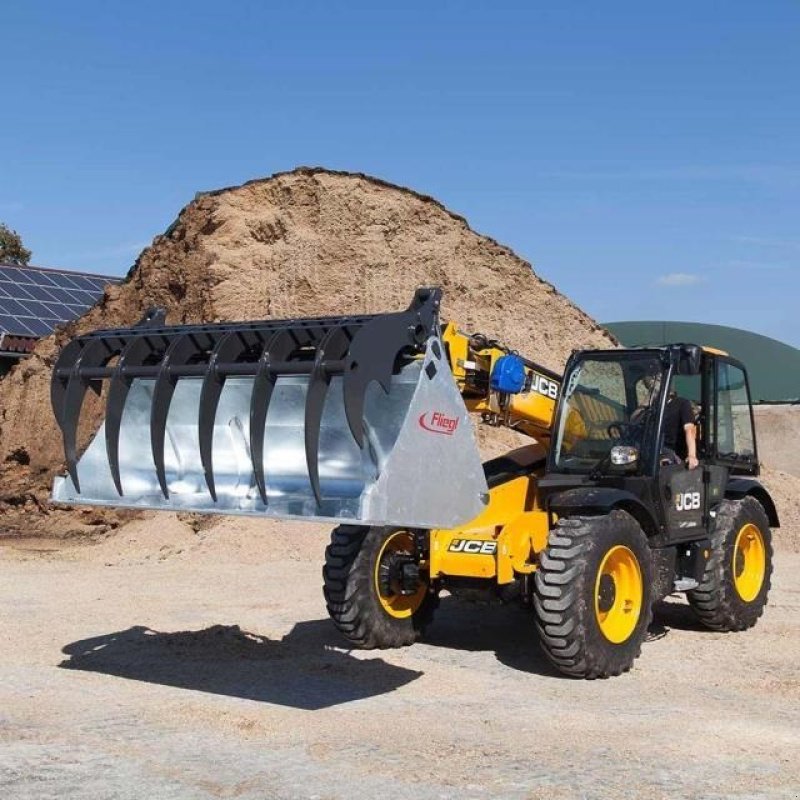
773 367
33 300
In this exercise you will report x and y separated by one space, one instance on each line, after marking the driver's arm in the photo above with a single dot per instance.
690 431
686 417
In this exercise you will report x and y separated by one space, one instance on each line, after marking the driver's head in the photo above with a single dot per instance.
652 383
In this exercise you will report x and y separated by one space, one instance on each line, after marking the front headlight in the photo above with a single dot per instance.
622 455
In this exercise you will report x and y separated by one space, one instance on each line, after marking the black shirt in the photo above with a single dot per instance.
677 414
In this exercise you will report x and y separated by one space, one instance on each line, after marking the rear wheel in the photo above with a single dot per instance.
593 594
733 592
374 591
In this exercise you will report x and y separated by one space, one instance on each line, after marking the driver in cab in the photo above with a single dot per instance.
680 430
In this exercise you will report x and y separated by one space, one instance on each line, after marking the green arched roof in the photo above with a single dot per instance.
772 366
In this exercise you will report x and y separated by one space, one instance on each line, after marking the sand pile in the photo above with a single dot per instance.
785 491
778 434
303 243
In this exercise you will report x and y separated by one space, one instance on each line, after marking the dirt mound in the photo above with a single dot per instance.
303 243
785 491
778 434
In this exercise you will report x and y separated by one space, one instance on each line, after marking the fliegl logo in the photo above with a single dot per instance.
437 422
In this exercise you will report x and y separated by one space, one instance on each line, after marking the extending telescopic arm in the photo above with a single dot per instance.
505 388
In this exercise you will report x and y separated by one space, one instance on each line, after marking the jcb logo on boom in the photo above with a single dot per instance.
473 546
544 386
687 501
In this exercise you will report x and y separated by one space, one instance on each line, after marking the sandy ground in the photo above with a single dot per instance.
164 662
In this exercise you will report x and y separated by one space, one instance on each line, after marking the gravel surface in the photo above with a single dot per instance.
172 663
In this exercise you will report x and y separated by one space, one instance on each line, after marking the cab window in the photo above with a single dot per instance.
733 426
606 402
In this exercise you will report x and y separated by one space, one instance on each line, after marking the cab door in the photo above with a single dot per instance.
683 495
684 491
726 445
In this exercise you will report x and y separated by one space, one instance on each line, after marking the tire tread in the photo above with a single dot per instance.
348 588
563 614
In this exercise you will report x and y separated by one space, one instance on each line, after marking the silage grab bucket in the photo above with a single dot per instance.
345 419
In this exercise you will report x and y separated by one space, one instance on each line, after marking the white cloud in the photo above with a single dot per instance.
680 279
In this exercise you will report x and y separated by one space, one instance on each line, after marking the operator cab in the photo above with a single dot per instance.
611 421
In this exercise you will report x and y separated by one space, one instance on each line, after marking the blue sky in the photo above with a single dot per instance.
645 157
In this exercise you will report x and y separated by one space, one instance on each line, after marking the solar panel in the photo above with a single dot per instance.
13 307
65 282
60 311
43 279
39 327
13 274
37 293
34 300
71 296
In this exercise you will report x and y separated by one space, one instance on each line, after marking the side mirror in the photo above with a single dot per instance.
690 360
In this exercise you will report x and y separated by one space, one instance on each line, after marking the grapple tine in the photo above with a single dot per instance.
180 351
58 386
134 354
278 348
231 347
334 346
96 353
376 346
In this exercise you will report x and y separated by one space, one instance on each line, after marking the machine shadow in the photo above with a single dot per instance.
669 614
508 631
305 670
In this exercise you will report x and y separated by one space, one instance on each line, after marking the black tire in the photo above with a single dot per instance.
717 601
352 594
569 612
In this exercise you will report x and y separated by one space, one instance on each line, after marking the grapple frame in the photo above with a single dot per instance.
194 382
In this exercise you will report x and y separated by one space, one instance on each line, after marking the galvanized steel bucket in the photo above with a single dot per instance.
342 419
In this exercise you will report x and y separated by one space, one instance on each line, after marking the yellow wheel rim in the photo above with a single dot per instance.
618 594
749 562
399 606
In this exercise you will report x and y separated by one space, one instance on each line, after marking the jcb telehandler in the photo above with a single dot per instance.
364 421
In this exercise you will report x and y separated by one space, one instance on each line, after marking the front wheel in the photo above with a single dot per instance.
593 594
375 593
733 592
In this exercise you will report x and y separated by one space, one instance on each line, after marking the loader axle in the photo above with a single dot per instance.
398 573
